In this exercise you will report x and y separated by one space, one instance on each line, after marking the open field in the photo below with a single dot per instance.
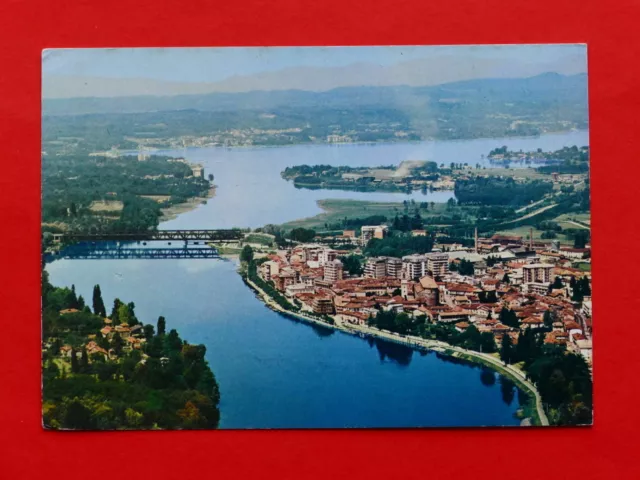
106 206
337 210
574 220
157 198
523 231
525 173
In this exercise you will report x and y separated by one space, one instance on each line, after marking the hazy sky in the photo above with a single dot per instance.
211 65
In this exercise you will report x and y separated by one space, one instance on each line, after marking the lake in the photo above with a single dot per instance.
251 192
275 372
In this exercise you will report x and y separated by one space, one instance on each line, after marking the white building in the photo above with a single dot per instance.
333 271
537 273
368 232
437 263
414 266
375 268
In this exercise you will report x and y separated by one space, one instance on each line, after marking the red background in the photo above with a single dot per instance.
604 451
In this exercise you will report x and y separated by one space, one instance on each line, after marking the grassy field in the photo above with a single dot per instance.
337 210
574 220
527 173
259 238
523 231
566 221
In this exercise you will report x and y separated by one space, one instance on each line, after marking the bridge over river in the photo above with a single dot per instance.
211 236
122 246
125 253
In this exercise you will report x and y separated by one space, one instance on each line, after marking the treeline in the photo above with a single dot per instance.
266 287
499 191
404 324
70 185
563 379
166 384
398 244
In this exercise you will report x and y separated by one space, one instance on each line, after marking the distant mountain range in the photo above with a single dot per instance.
546 88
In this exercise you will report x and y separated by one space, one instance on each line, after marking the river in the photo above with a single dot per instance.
273 371
251 192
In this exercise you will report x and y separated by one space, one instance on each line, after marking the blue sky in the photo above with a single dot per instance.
214 64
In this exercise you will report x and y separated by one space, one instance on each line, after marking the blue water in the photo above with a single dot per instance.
277 373
251 192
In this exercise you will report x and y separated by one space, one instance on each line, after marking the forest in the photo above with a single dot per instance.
499 191
71 184
151 379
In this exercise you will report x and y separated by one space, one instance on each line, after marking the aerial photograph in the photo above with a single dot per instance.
316 237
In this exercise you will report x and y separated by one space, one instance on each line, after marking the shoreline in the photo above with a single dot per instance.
417 343
159 150
172 212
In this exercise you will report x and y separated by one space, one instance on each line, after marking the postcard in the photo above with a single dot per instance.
316 237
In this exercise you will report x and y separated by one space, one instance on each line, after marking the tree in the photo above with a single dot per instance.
133 418
162 325
487 342
75 368
506 278
352 264
114 311
508 317
172 341
98 304
302 235
547 318
211 177
80 302
246 255
84 362
124 314
506 349
148 331
77 416
465 267
580 238
557 283
117 343
132 314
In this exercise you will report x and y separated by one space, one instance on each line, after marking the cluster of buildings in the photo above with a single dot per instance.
132 338
508 274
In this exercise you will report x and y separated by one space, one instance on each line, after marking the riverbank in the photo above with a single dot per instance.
174 211
336 210
517 376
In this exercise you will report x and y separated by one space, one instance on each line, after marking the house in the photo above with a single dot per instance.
322 305
107 331
65 350
532 322
453 316
586 349
355 318
66 311
123 330
462 326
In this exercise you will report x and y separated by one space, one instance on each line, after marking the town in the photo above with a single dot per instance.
502 286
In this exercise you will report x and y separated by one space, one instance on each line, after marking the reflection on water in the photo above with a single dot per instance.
394 352
487 377
507 389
